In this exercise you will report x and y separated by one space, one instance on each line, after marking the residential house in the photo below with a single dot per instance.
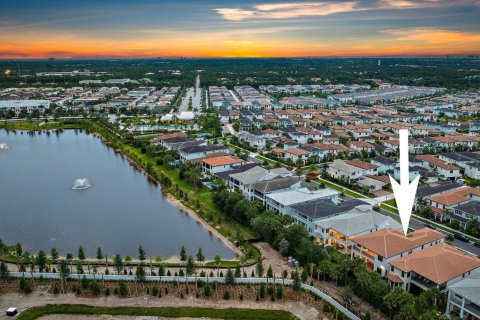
283 201
254 141
444 169
220 164
439 265
310 212
464 297
443 205
196 152
351 169
381 247
341 229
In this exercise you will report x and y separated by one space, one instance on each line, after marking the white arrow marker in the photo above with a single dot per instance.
405 191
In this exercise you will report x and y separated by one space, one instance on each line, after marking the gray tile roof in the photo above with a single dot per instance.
326 208
468 288
277 183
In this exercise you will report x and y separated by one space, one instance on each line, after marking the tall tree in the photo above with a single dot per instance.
140 272
41 260
260 269
4 273
99 254
118 263
54 255
190 266
82 257
64 270
200 256
70 259
218 261
141 254
18 252
229 277
183 254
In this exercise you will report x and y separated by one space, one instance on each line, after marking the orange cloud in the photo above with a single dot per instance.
435 36
250 42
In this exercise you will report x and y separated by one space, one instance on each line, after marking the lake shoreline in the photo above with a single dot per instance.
183 208
179 204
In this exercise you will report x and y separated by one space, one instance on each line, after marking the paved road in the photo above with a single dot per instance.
234 96
289 282
196 96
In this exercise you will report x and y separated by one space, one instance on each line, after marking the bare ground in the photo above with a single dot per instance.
22 302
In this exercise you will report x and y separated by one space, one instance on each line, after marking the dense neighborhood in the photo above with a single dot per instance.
320 155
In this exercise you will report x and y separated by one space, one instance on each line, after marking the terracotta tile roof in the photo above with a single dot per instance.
361 164
361 144
394 278
436 210
456 196
297 152
437 162
385 179
390 242
468 191
278 150
222 161
438 263
169 136
271 131
449 198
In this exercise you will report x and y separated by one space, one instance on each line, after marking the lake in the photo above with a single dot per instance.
121 211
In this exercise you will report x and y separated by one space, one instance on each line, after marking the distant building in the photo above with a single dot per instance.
27 105
90 81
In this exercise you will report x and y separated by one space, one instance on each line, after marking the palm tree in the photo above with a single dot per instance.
217 260
54 255
18 252
311 266
335 273
82 257
243 261
324 266
69 260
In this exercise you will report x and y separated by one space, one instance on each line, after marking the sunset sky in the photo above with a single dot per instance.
229 28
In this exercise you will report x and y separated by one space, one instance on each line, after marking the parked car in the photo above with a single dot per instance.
431 226
477 243
351 302
461 237
12 312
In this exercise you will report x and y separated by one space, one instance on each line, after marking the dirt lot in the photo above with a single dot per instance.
70 317
22 302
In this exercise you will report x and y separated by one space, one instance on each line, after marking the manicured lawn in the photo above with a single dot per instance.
391 202
341 189
383 206
168 312
35 125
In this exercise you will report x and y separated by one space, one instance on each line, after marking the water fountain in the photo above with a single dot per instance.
4 146
81 184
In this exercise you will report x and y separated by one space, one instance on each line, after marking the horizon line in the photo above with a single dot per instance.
472 55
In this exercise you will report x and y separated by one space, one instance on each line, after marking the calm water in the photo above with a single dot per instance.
119 212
